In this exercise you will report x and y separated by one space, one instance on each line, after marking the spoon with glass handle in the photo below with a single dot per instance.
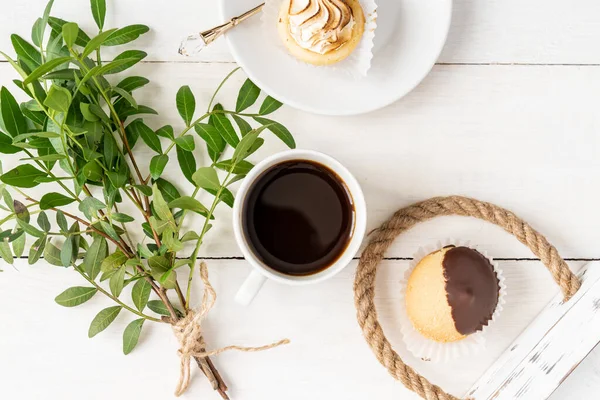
194 44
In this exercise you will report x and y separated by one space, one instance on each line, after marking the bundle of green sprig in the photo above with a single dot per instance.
77 134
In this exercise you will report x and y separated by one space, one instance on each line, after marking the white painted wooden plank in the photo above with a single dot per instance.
43 346
508 31
523 137
549 349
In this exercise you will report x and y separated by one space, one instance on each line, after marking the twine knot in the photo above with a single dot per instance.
188 331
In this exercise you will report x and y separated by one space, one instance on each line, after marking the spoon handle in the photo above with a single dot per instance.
193 44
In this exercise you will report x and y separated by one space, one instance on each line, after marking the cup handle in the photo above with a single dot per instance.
250 288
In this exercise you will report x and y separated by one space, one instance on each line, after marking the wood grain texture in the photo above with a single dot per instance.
549 349
522 137
327 358
508 31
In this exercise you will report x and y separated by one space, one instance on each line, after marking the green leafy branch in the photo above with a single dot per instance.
77 133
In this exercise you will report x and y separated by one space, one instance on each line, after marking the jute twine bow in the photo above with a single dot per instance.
189 333
406 218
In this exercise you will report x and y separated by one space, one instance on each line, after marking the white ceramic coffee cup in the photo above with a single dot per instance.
261 272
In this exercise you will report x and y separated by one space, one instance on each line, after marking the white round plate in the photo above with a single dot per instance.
408 40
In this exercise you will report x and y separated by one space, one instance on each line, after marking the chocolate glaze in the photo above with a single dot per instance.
472 288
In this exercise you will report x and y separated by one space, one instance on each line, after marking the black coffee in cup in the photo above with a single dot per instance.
298 217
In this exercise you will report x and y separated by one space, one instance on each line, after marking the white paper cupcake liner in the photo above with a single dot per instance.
436 352
356 65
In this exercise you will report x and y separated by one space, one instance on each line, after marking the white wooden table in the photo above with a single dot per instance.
509 115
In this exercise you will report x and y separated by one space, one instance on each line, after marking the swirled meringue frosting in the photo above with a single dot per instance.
320 26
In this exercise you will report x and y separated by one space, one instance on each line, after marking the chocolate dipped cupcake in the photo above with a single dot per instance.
452 293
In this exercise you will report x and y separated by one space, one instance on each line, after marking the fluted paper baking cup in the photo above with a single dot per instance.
437 352
356 65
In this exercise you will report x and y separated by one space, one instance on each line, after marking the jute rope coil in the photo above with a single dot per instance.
188 331
404 219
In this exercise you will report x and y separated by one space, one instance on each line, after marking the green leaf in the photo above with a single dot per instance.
21 211
132 83
99 12
109 230
126 96
110 150
148 135
75 296
48 157
117 179
96 42
211 136
146 190
160 205
62 221
186 104
226 196
117 281
70 30
43 222
187 163
37 31
189 236
95 255
113 261
126 35
36 250
45 68
186 143
13 118
18 245
53 200
24 136
141 109
103 320
269 105
6 252
224 126
279 130
166 132
247 96
52 255
158 225
189 203
30 229
87 113
22 176
40 25
140 294
158 307
168 190
92 171
123 218
244 126
157 165
57 24
125 60
206 178
5 145
241 167
26 51
143 251
89 207
159 267
66 252
59 99
242 151
131 335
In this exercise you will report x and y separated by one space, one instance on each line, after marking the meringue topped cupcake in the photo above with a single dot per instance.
321 32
